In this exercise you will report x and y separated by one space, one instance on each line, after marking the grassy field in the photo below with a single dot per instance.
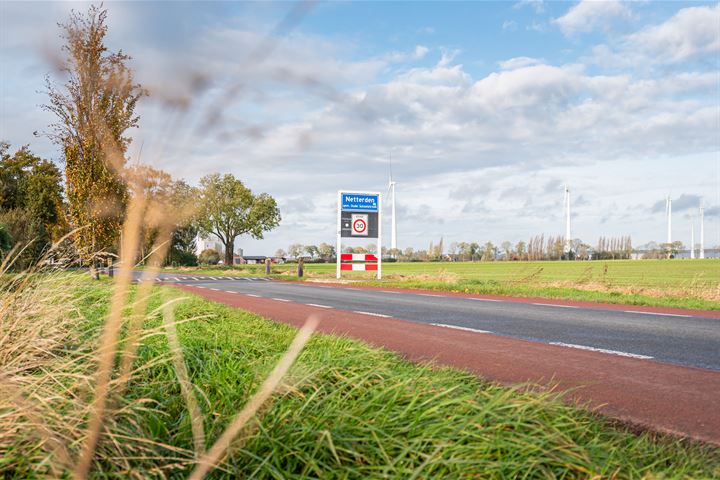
345 411
670 283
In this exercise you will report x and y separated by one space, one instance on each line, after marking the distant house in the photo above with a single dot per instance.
249 259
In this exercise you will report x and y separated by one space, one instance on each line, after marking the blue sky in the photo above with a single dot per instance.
487 108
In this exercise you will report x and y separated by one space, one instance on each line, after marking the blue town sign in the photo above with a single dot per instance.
359 202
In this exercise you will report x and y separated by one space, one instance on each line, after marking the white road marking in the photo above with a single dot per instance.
484 299
252 295
216 289
316 305
176 279
194 278
554 305
213 278
431 295
373 314
660 314
388 291
455 327
602 350
229 291
281 299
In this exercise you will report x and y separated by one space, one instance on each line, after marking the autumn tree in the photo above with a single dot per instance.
94 108
229 209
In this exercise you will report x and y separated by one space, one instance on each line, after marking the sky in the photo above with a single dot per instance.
487 109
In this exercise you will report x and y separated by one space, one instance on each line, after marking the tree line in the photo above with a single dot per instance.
538 247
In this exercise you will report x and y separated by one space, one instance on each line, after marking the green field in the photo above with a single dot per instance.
671 283
346 411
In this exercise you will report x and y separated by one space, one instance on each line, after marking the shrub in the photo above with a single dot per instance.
209 256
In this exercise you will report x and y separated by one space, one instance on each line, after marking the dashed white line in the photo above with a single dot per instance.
602 350
229 291
430 295
281 299
659 314
455 327
388 291
213 278
372 314
484 299
554 305
194 278
216 289
252 295
316 305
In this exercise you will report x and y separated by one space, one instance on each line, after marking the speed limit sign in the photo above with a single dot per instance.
359 225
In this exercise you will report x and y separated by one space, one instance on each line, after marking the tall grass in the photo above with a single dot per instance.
63 408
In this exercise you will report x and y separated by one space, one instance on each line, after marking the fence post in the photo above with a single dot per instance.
301 264
267 267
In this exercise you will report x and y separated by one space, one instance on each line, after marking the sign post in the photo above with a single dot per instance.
359 216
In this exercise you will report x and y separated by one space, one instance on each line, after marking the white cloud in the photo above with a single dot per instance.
691 32
537 5
518 62
421 51
510 25
589 15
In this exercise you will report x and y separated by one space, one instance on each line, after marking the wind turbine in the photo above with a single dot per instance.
393 225
692 239
702 232
668 211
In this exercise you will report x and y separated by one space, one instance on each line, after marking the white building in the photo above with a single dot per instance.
211 241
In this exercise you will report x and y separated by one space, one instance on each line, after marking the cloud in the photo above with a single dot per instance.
679 204
510 25
537 5
519 62
589 15
691 32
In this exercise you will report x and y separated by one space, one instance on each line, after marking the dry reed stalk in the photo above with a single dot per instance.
213 456
108 345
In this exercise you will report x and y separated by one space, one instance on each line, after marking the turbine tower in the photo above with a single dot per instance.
393 225
702 233
567 221
668 211
692 239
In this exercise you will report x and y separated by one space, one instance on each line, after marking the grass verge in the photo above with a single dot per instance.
351 411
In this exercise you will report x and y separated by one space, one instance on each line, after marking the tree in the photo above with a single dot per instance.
326 251
280 253
209 256
489 252
94 108
507 248
311 250
295 250
31 202
6 241
520 249
229 209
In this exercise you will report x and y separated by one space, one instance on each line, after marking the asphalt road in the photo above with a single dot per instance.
671 338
